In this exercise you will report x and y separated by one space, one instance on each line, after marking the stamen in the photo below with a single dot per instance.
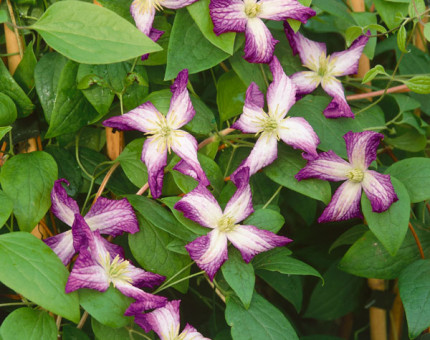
355 175
117 269
226 224
252 9
144 6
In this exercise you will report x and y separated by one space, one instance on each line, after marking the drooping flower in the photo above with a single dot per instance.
324 69
111 217
164 133
210 251
246 16
361 149
101 263
165 322
294 131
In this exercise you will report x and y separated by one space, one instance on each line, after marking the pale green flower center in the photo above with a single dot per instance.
145 6
270 124
116 269
226 224
252 10
164 134
355 175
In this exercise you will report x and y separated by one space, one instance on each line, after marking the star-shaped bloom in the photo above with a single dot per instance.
294 131
111 217
164 321
164 134
101 263
361 149
246 16
210 251
324 69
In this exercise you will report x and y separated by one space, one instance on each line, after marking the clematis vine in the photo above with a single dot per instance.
164 134
111 217
101 263
361 149
324 69
246 16
210 251
273 125
165 322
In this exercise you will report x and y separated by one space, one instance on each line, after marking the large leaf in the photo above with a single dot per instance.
230 95
28 179
24 74
260 321
414 173
105 332
6 207
91 34
267 219
29 324
7 109
32 269
131 163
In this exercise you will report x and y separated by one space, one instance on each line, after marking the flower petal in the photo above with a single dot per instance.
181 109
344 205
148 300
228 16
240 205
308 50
154 35
185 146
63 206
253 113
328 166
346 62
379 190
306 81
281 94
361 147
154 155
190 333
176 4
338 107
209 251
112 217
251 240
200 206
142 18
285 9
142 278
62 245
298 133
259 42
143 118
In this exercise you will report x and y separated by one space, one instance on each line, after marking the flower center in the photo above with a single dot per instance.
252 9
269 124
145 6
355 175
163 135
117 269
226 224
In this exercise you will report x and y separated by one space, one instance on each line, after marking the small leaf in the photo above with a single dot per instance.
401 39
372 73
419 84
352 33
8 111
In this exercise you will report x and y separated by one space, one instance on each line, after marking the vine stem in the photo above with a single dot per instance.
417 240
105 181
82 321
395 89
217 291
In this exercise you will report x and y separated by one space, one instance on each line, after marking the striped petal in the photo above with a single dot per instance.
346 62
142 278
344 205
379 190
190 333
251 240
306 81
228 16
155 158
181 109
284 9
176 4
361 147
143 18
338 107
63 206
259 42
62 245
240 205
148 300
209 252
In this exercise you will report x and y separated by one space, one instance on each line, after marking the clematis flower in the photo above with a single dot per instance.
210 251
324 69
345 204
164 133
100 263
294 131
165 322
246 16
111 217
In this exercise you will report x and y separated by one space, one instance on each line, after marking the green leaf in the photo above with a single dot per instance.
29 324
389 10
8 111
372 73
72 333
336 8
28 179
9 87
349 237
71 110
106 307
230 96
390 226
278 259
131 163
411 141
6 207
401 39
199 11
352 33
260 321
288 164
24 74
266 219
188 48
91 34
414 173
4 130
368 257
419 84
105 332
160 58
240 276
247 72
414 287
427 31
32 269
4 17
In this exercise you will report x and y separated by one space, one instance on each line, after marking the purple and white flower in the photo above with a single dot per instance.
111 217
165 322
101 263
324 69
294 131
164 134
246 16
210 251
361 149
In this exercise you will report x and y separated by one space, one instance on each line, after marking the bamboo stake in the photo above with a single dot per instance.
396 316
